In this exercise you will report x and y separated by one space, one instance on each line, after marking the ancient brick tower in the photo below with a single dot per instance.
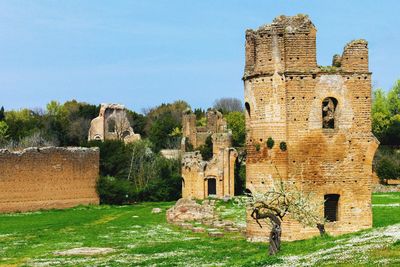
319 119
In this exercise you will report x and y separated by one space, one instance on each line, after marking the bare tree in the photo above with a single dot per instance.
121 125
281 199
228 104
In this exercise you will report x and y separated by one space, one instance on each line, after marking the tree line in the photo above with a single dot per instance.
128 172
386 127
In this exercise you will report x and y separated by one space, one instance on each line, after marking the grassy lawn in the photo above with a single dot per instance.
141 238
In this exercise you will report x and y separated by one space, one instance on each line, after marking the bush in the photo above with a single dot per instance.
133 172
387 169
270 142
116 191
167 184
114 157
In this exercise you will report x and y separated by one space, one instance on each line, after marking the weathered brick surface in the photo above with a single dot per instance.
197 135
51 177
284 90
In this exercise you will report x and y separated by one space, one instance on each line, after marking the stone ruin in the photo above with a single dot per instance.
319 118
197 135
48 178
112 124
216 177
189 214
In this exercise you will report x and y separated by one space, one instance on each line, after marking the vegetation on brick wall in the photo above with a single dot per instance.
283 146
206 150
270 142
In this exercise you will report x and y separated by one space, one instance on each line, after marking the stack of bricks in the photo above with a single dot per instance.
45 178
284 94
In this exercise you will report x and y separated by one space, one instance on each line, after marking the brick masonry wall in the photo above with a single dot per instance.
196 172
45 178
284 101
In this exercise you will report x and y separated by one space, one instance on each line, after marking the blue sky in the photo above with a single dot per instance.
144 53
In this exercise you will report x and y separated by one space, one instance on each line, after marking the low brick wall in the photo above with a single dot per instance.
46 178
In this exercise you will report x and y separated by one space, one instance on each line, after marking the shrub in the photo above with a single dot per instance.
270 142
258 147
387 169
133 172
114 158
112 190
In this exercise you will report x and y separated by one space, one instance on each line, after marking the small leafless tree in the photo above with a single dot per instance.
228 104
121 124
281 199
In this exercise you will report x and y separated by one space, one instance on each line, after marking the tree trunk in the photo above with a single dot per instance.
275 239
321 229
276 230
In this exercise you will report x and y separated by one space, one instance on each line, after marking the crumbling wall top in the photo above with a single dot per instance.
51 149
356 43
289 24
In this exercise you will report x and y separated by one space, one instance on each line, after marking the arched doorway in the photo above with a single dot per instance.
212 187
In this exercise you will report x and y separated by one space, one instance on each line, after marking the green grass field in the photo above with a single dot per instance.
141 238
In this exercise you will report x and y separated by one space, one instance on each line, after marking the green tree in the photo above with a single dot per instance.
380 114
56 122
387 169
22 123
137 122
175 111
392 135
393 99
206 150
2 115
3 132
236 122
160 132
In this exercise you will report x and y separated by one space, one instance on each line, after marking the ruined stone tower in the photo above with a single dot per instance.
319 119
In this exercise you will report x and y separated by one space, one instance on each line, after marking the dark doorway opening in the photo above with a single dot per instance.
331 206
212 186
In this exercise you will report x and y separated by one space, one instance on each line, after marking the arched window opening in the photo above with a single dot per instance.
183 182
331 207
329 105
111 125
247 105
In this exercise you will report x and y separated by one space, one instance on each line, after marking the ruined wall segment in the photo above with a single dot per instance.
197 135
321 113
216 177
46 178
112 124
